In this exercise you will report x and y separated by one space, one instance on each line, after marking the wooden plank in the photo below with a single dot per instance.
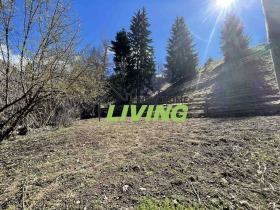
260 108
247 89
245 101
214 114
243 94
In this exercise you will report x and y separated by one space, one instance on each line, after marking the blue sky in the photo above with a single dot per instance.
101 19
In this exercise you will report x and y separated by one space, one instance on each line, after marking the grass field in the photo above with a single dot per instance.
202 163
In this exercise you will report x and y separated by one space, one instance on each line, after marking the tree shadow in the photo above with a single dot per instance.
240 89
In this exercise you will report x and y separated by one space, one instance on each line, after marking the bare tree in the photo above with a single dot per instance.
87 80
37 46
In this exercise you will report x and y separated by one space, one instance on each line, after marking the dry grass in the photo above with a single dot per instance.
233 161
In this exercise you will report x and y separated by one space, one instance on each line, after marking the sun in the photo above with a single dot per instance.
224 4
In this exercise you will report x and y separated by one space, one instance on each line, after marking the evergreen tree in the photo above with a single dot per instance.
121 49
182 58
234 42
142 64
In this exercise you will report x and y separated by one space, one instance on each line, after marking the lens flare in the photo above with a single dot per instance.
224 4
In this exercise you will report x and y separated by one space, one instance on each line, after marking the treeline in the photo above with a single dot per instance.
45 80
134 54
135 67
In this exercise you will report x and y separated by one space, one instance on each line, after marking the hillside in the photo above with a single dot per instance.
245 86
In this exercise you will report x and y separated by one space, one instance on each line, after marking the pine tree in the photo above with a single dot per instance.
234 42
182 58
121 49
143 66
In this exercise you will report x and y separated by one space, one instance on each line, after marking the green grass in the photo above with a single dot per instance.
166 204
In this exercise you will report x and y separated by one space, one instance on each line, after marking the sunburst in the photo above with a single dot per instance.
224 4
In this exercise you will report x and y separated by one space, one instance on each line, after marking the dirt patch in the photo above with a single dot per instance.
100 165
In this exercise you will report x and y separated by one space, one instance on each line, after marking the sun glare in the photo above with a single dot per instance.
224 4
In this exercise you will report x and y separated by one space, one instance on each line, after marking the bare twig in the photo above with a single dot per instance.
23 195
195 192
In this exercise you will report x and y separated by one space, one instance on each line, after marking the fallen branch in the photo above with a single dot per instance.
195 192
22 195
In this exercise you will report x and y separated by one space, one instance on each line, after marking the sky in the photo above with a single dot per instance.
102 19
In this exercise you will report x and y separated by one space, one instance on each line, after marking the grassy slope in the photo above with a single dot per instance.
209 79
228 162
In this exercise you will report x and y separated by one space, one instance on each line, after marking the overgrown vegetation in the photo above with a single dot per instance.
45 47
43 79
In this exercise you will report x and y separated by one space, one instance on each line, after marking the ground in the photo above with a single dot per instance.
201 163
